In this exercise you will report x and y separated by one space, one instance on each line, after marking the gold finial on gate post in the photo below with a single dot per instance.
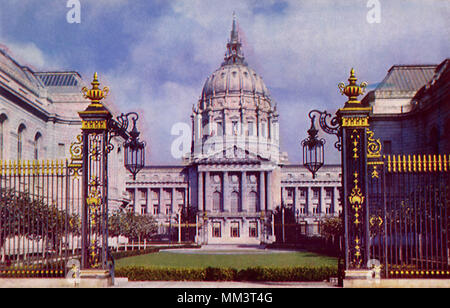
95 95
352 90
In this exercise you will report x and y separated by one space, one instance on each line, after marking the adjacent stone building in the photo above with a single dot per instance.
39 119
411 109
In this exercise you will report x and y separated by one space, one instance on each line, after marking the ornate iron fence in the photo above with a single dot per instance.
40 226
409 205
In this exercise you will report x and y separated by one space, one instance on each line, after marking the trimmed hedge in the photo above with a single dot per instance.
153 249
142 273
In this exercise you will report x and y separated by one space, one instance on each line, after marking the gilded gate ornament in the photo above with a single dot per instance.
373 145
352 90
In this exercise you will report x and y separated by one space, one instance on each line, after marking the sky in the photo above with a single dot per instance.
155 55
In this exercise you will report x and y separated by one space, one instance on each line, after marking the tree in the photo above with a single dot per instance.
131 225
331 227
22 215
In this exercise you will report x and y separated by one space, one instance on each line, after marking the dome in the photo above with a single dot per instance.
234 78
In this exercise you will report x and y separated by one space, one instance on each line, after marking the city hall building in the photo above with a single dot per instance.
229 188
235 178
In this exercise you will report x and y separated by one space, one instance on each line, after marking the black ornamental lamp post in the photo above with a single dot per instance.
313 149
134 150
350 125
98 129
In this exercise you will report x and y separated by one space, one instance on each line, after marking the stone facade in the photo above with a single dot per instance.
39 119
411 110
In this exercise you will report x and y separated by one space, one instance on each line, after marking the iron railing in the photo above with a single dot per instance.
409 215
40 209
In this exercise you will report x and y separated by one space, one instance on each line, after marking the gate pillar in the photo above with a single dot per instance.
94 227
354 122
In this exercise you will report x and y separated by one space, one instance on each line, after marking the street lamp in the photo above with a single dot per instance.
134 151
313 150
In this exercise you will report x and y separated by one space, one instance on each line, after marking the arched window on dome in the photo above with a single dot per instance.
235 128
219 128
250 128
264 129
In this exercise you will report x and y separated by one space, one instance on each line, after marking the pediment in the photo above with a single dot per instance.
234 154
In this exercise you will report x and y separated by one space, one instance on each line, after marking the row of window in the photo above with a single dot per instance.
251 129
235 229
20 140
315 193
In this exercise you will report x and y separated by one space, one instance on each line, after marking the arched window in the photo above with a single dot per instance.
253 202
20 133
235 200
217 202
37 145
3 119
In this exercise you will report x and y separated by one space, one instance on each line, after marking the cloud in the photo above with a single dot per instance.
156 55
28 54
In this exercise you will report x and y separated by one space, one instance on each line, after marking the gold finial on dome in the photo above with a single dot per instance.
352 90
95 94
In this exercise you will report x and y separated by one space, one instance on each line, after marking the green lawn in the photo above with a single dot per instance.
237 261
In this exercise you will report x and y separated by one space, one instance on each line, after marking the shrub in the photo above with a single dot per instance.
141 273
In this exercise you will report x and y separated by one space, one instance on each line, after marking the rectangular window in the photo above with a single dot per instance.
250 128
234 229
168 209
253 229
303 208
219 129
143 209
217 230
143 194
155 210
234 127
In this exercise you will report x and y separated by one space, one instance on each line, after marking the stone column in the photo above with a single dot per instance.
159 200
185 199
322 204
262 191
336 204
174 206
269 205
200 205
207 192
296 205
244 206
309 207
225 193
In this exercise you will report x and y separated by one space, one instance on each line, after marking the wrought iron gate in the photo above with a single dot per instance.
40 226
409 203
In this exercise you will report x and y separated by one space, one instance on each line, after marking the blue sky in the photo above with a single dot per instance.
155 55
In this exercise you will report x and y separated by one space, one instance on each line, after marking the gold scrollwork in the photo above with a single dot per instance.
355 142
76 157
373 145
